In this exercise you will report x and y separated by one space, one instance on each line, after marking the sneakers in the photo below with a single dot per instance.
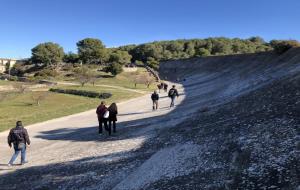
9 165
25 162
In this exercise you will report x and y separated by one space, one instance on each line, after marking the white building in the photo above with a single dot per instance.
4 63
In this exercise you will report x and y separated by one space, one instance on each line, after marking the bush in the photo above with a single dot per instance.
46 73
202 52
151 62
281 46
68 67
114 68
90 94
13 78
18 69
30 79
139 63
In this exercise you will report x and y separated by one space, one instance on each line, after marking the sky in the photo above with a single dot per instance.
26 23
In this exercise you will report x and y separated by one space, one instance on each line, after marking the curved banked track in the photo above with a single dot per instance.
235 126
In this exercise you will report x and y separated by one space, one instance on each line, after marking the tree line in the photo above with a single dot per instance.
93 51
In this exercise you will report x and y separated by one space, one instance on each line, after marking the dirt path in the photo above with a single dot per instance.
75 137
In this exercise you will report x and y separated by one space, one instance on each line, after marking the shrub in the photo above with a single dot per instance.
151 62
84 74
114 68
202 52
13 78
18 69
68 67
90 94
281 46
30 79
139 63
46 73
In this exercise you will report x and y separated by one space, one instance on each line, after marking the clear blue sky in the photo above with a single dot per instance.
25 23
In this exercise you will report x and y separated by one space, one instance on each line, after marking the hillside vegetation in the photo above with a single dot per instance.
92 51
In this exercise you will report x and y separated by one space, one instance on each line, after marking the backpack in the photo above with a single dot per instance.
171 92
16 136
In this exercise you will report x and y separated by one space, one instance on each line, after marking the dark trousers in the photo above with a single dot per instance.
101 122
114 126
172 101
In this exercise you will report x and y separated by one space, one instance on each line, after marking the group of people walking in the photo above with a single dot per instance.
18 137
172 94
107 115
163 86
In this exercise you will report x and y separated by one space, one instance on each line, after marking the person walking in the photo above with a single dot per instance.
155 98
173 93
113 112
19 137
165 87
101 110
159 87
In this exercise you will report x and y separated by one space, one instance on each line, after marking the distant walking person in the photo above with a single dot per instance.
165 87
101 110
19 137
113 112
160 86
155 98
173 93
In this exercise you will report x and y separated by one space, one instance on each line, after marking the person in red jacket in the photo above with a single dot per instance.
101 109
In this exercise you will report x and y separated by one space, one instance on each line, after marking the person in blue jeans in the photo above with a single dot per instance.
19 137
173 93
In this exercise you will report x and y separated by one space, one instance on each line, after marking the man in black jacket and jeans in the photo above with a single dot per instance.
18 136
173 93
155 98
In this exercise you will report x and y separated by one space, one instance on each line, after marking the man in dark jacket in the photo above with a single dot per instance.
173 93
155 98
19 137
101 109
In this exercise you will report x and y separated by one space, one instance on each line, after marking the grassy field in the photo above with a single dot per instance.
23 107
5 82
125 79
18 106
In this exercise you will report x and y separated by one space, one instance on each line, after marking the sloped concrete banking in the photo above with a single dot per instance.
68 154
209 82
